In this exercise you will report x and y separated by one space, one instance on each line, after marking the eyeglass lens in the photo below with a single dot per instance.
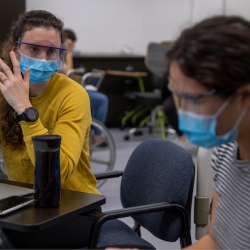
40 52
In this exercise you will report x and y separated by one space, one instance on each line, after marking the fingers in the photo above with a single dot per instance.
6 69
16 67
15 63
3 78
26 76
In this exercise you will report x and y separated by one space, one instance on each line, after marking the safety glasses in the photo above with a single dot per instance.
194 102
39 50
188 101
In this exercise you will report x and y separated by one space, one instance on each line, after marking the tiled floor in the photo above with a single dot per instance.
111 188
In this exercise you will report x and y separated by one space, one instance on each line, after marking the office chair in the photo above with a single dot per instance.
156 63
156 191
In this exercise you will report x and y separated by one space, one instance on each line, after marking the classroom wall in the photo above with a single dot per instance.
127 26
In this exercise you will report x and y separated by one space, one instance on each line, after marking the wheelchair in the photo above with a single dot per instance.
101 159
2 168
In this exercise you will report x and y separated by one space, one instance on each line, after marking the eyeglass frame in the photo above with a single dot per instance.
41 45
196 98
62 50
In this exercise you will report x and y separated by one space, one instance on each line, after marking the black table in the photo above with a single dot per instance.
31 219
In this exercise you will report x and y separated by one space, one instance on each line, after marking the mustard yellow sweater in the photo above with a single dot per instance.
64 109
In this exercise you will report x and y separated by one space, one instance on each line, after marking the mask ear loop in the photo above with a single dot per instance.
223 106
237 123
243 112
18 43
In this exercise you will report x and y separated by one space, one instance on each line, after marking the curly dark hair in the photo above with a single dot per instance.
11 132
215 52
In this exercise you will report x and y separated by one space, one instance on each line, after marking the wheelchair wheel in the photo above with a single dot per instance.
3 172
102 159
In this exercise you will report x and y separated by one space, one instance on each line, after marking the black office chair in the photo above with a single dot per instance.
156 63
156 191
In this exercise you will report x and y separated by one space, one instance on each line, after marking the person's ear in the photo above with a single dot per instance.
14 48
244 93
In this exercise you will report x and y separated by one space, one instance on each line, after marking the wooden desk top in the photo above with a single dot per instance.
126 73
30 218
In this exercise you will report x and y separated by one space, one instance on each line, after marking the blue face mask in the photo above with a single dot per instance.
40 69
201 129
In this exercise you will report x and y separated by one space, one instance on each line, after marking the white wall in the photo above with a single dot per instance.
113 26
238 7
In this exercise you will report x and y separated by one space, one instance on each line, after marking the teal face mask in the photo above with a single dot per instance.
40 69
201 129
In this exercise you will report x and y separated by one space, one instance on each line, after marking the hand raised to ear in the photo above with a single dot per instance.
13 86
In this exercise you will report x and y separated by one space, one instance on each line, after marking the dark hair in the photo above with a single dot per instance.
11 132
215 52
70 34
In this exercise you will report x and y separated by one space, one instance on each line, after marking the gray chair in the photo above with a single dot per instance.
156 63
156 191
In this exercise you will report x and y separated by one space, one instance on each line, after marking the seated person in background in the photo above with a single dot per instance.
98 100
58 106
70 40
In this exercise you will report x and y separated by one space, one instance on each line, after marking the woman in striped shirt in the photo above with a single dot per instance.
209 67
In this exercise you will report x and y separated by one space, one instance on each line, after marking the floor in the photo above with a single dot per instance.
111 188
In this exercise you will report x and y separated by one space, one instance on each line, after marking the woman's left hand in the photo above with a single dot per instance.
13 86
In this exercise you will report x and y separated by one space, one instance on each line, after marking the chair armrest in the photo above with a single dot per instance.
88 75
125 212
80 71
107 175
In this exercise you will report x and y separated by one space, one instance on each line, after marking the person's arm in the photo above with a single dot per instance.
68 62
69 117
207 242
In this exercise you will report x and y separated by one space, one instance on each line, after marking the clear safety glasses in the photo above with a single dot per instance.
196 103
39 50
188 101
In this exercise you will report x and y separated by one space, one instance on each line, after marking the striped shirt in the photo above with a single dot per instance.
231 176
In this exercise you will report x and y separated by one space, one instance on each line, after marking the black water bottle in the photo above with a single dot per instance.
47 179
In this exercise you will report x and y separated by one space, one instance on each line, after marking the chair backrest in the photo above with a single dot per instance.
156 60
204 192
76 74
93 78
159 171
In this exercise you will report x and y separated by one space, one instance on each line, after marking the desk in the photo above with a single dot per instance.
135 74
31 219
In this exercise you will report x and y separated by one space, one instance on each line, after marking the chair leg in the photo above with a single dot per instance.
159 122
138 114
129 115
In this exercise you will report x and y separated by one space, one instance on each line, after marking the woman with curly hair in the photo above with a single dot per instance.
36 100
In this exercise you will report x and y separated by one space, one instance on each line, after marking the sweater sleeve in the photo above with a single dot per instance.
69 117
